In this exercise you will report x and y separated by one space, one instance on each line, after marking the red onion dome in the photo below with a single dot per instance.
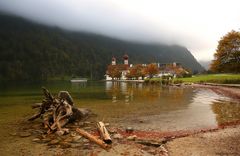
125 57
113 58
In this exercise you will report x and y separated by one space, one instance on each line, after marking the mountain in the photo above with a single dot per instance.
205 64
32 51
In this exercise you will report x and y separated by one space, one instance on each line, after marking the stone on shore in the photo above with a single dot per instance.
24 134
132 137
117 136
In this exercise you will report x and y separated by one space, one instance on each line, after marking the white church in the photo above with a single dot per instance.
123 67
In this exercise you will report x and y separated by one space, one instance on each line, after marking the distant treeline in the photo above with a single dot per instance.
30 51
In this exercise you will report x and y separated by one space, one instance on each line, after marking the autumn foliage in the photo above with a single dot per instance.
113 71
136 71
151 69
142 71
179 71
227 56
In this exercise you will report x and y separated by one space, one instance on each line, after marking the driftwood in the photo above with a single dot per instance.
154 143
65 95
104 133
56 112
36 105
92 138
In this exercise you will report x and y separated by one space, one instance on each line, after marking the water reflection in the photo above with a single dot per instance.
226 111
173 108
139 93
78 85
162 107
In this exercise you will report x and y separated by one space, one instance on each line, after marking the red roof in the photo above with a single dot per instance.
123 66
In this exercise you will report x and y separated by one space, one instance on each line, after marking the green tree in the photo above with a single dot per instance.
33 52
227 56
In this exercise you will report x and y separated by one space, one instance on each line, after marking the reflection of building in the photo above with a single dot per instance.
109 85
79 85
123 92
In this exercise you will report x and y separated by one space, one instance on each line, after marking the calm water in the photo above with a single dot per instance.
141 106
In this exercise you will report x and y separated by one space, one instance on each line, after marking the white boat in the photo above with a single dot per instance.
79 80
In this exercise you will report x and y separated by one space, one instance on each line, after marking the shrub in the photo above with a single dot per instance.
177 81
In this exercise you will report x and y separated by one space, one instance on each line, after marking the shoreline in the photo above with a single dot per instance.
178 133
149 142
139 81
221 142
232 92
187 142
135 143
171 142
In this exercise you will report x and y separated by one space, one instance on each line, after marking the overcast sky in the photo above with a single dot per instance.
197 25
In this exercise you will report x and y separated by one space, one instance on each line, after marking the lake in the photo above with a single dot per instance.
142 106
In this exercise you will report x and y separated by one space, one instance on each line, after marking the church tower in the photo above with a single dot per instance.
125 58
113 60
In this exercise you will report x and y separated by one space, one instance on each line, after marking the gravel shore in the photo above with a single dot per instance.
224 142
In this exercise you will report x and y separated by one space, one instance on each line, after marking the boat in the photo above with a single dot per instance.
79 80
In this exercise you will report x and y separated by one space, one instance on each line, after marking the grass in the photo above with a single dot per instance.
213 78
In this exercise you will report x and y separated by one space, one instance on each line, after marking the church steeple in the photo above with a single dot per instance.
125 58
113 60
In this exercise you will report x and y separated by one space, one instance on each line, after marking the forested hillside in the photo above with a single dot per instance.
30 51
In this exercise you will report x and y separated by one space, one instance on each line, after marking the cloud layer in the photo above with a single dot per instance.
198 25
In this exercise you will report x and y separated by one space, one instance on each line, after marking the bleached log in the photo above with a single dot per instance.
92 138
104 133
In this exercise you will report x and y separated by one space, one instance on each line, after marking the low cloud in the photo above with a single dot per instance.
196 25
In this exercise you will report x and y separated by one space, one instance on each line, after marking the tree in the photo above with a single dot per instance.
113 71
227 56
118 72
33 52
143 72
131 73
135 71
151 69
110 71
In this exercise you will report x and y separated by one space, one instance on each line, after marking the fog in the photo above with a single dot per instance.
197 25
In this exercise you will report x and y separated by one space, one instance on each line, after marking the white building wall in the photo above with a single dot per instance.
113 62
124 73
108 77
126 62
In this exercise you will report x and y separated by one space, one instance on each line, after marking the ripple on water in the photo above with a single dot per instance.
163 107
